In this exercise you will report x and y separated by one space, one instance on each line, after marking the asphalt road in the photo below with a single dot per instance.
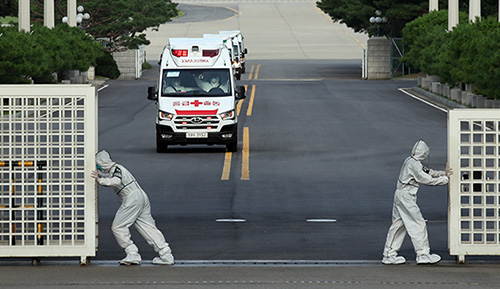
324 144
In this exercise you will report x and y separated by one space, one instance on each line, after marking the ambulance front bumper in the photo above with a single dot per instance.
226 135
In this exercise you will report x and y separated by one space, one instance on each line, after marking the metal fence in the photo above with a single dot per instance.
474 191
48 201
397 51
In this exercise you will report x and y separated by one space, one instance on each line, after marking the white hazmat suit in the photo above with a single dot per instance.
135 210
406 215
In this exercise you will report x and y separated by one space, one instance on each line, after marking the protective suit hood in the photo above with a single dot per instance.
103 159
420 151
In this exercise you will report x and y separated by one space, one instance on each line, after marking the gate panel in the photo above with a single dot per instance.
474 191
47 198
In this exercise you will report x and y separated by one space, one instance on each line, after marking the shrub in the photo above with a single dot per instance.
36 56
470 53
106 66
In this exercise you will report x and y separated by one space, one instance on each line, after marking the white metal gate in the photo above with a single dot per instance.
474 191
48 201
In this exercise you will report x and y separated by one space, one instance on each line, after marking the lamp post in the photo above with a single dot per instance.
378 19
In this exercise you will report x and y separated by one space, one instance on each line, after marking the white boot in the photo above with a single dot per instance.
133 257
394 260
428 259
166 257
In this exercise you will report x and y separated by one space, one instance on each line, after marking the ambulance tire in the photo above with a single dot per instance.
238 76
243 68
160 146
232 147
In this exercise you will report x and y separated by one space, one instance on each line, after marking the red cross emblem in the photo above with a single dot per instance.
196 103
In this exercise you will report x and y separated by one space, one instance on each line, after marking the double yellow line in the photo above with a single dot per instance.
245 163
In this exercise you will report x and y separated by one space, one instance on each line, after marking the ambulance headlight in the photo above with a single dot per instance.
227 114
162 115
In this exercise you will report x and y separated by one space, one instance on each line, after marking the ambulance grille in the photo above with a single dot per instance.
196 122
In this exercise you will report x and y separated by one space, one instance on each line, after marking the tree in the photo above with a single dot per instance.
356 13
8 8
424 36
35 56
118 23
20 57
471 55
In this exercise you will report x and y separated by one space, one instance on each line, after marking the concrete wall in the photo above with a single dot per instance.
130 62
378 58
433 88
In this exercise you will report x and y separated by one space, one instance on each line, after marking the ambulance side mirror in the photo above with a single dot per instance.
152 94
245 51
240 92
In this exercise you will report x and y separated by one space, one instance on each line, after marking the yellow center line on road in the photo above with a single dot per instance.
245 171
250 104
226 171
251 72
256 72
245 163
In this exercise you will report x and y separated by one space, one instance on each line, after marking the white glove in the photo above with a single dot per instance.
95 175
449 172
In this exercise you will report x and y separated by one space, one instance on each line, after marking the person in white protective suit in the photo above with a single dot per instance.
135 210
406 215
213 82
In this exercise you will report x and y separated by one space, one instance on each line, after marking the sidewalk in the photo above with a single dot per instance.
54 274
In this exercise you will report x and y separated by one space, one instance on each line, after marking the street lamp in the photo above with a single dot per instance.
79 17
377 19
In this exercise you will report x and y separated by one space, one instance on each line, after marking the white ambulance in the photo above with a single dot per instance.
196 95
239 40
231 44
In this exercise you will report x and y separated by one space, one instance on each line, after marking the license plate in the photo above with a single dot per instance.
196 134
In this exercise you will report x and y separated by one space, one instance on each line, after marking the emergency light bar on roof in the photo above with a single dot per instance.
191 52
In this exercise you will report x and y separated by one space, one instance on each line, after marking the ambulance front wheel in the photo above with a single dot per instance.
232 147
160 146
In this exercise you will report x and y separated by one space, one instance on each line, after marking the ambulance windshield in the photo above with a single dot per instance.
189 82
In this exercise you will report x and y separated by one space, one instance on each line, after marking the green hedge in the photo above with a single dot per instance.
36 56
470 53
